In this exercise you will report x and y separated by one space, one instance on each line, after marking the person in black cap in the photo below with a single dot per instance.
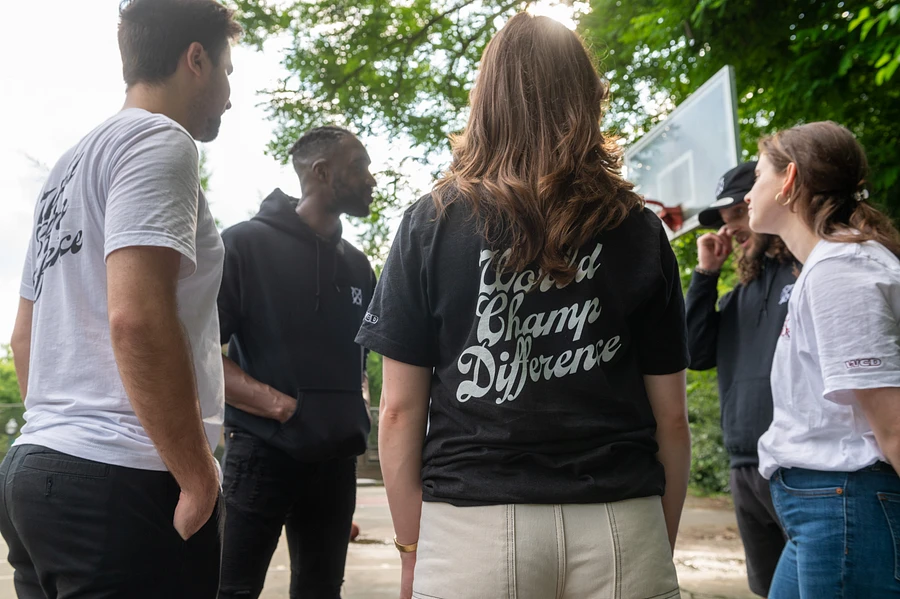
739 338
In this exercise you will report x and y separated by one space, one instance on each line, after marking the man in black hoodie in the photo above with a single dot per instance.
293 297
740 339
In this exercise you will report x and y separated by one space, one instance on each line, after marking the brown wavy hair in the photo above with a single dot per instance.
750 263
831 169
532 162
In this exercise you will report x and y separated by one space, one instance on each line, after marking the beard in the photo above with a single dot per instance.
210 130
352 202
759 245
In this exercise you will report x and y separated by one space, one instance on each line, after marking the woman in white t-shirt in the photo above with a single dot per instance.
836 374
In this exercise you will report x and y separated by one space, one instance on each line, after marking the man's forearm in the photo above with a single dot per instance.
156 368
246 393
22 360
675 456
21 343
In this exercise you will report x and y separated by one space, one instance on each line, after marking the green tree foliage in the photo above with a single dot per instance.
886 16
383 68
205 170
404 68
10 399
795 61
710 469
9 386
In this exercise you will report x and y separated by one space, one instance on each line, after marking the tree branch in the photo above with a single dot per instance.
408 41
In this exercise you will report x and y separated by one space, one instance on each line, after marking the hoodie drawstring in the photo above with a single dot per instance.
771 273
334 273
318 275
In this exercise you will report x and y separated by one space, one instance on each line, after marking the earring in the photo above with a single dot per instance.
787 200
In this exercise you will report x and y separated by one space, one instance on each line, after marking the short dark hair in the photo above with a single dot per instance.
313 142
153 34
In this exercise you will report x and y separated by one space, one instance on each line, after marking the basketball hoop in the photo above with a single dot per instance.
671 215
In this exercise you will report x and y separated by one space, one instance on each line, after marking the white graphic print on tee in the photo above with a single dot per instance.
499 319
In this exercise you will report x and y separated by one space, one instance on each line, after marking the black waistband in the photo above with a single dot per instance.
880 467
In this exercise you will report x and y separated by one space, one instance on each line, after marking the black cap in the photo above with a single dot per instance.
733 187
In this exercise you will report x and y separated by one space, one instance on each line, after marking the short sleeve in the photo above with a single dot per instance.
26 287
399 323
153 194
662 334
856 328
229 300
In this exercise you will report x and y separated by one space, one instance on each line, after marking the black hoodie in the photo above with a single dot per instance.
290 306
740 339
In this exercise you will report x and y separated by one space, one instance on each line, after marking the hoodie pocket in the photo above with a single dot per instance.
326 425
746 414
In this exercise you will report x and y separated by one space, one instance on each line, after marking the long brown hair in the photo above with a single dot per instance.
532 161
750 263
830 183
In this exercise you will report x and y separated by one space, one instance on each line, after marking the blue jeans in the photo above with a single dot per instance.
843 533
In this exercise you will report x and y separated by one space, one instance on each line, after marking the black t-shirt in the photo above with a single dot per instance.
537 394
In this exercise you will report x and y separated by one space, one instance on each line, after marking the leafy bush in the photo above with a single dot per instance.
709 467
9 386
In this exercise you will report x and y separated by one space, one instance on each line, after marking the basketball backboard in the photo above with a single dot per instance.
679 162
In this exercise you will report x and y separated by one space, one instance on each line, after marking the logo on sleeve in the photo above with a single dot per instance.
863 363
371 318
356 292
786 294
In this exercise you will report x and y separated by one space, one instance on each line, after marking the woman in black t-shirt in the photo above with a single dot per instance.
537 305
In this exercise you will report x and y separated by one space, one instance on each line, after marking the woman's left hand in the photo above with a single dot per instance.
407 570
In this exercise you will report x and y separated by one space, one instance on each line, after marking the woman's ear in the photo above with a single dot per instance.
790 178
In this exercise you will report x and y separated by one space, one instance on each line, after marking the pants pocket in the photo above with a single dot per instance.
60 463
809 483
890 503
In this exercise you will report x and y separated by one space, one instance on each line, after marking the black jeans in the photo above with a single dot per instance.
78 529
265 490
760 530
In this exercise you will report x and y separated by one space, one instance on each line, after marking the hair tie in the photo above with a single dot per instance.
862 195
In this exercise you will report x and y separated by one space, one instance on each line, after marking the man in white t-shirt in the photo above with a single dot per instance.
112 489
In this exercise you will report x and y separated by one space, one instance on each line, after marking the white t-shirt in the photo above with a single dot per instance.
842 333
133 181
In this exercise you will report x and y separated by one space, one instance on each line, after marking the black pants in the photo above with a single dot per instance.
78 529
760 530
265 490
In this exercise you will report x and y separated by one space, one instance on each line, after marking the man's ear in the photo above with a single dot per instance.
194 58
322 170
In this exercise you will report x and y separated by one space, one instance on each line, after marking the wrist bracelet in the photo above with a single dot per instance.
707 272
411 548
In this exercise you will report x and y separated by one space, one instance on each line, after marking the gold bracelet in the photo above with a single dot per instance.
405 548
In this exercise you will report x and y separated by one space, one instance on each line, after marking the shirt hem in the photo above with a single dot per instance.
153 239
860 382
583 499
391 349
26 292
